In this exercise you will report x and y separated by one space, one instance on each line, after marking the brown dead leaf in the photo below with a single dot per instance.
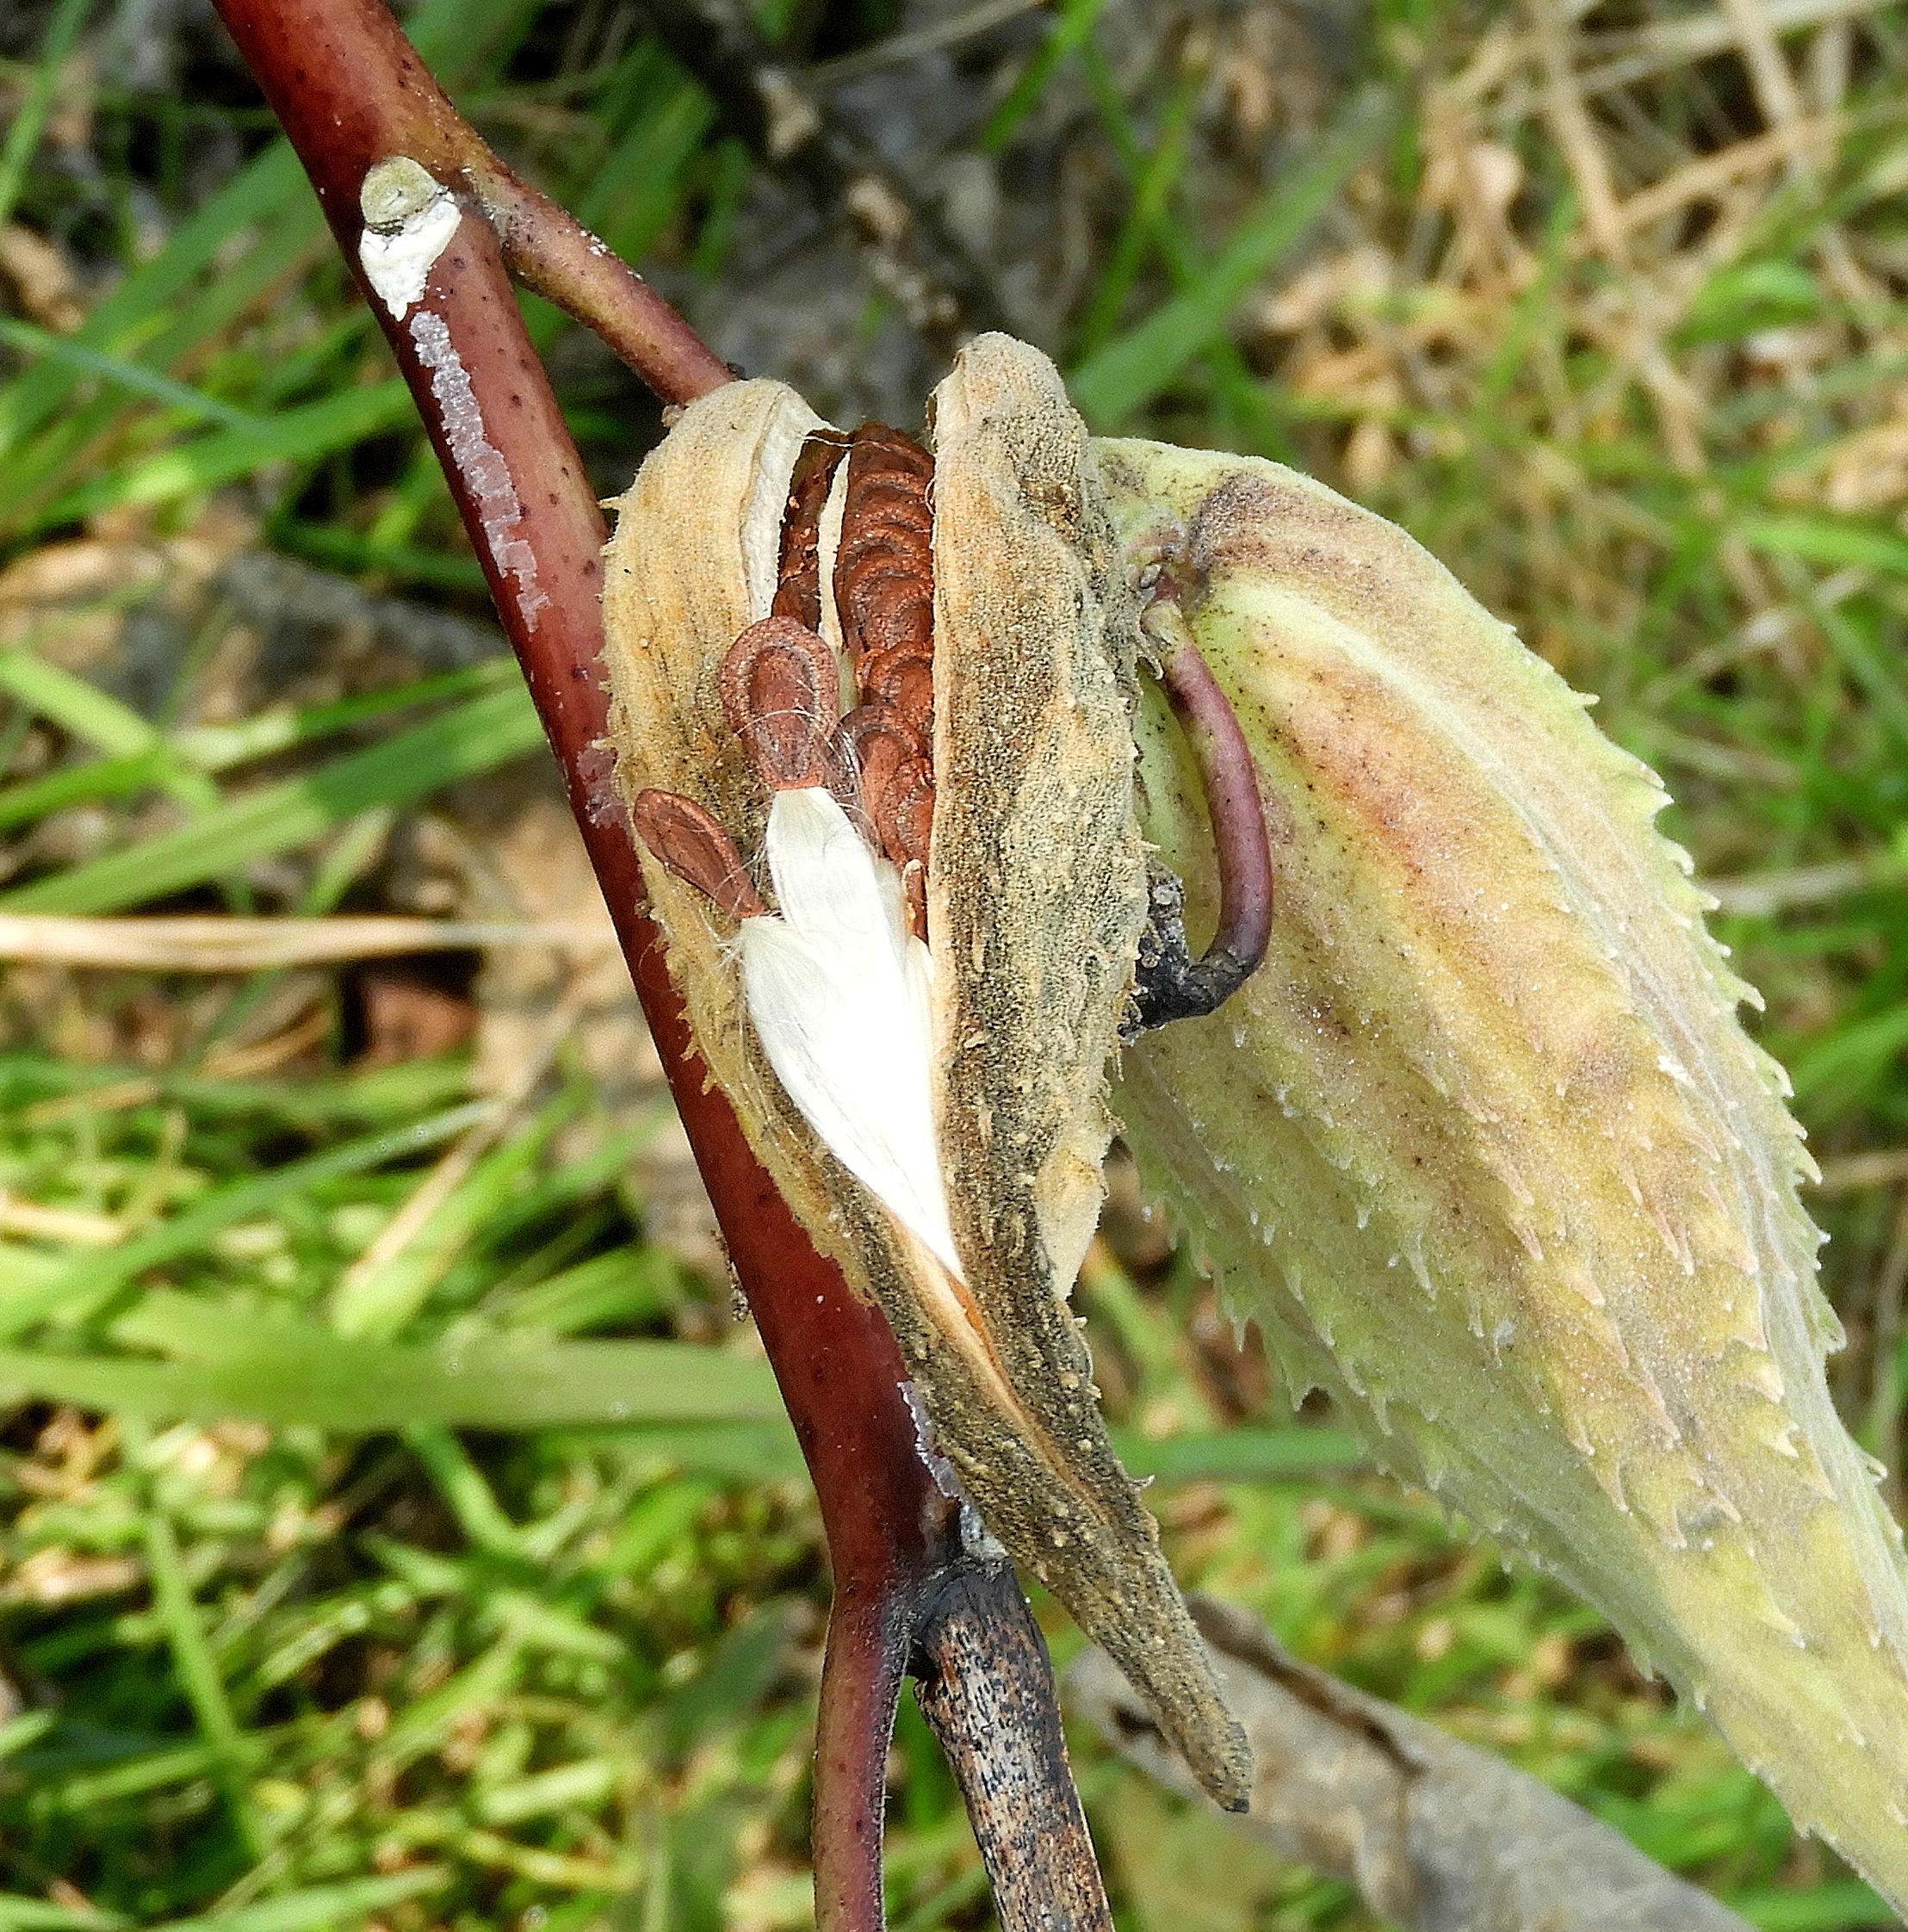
42 278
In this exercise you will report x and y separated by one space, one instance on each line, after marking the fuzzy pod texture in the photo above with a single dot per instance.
1483 1148
1036 896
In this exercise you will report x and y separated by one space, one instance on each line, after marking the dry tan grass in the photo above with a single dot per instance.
1540 302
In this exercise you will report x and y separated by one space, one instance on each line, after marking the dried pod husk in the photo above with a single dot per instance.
1483 1148
1036 896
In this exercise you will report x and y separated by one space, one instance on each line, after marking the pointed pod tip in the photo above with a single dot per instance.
1230 1783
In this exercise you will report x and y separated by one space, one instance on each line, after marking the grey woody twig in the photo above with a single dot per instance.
986 1689
1437 1836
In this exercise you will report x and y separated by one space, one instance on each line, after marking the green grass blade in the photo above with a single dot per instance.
76 706
318 1906
1247 412
1069 32
354 554
461 1484
1844 1905
230 1362
727 1452
30 117
1826 540
1132 369
80 784
28 1728
1159 175
629 1285
237 1201
71 447
479 736
41 1915
88 713
638 190
172 1599
322 1105
1836 1070
272 185
190 468
294 1373
177 1612
379 1304
126 375
265 734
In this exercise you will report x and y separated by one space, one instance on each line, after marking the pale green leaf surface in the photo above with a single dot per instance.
1484 1150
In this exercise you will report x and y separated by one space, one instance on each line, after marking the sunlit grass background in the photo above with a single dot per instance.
399 1528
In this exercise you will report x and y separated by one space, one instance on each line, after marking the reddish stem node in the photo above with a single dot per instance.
350 90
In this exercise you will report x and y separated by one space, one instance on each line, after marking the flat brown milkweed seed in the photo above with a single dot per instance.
798 592
695 847
782 692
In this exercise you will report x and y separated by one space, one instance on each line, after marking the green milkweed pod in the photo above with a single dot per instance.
1482 1146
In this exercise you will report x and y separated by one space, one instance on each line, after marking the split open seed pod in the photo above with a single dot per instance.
1035 895
1483 1147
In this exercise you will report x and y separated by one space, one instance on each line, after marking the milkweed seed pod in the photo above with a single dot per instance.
935 1115
1482 1146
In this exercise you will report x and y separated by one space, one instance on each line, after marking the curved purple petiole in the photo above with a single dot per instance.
1171 984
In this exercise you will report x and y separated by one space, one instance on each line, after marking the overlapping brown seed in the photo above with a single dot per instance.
884 568
901 680
780 683
782 695
882 587
897 793
798 587
690 841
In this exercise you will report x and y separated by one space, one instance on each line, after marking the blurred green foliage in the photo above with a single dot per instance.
511 1613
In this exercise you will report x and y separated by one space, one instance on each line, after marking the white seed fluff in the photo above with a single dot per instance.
838 988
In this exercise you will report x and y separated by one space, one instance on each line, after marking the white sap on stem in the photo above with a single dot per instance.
479 462
838 988
409 218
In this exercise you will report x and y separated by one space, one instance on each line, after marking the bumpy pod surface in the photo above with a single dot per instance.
1037 895
1483 1148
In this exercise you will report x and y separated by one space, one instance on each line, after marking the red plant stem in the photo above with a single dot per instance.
350 92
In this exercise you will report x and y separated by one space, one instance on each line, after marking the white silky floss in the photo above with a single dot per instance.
838 988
